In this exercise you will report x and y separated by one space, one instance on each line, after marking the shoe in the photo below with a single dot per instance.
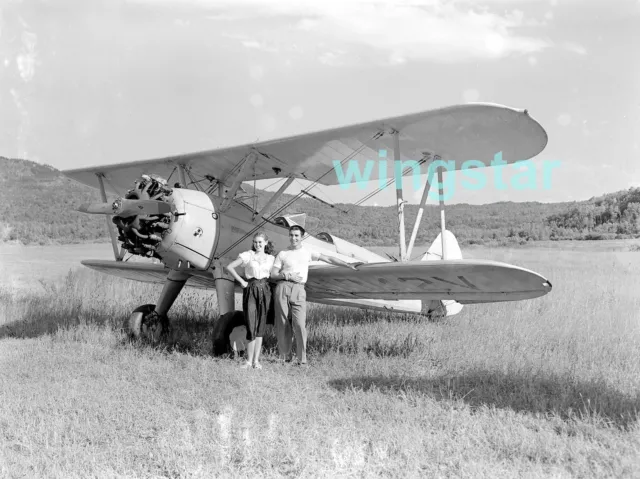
257 366
246 365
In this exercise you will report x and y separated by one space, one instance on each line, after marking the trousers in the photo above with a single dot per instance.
291 298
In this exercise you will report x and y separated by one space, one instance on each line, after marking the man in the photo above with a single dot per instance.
290 269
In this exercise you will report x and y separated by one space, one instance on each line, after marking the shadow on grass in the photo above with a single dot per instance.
37 320
559 396
188 335
43 315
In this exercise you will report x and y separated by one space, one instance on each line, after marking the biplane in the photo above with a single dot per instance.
190 216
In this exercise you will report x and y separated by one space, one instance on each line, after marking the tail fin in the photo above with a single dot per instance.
447 307
451 247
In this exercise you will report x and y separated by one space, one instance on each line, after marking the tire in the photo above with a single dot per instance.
138 327
434 310
222 329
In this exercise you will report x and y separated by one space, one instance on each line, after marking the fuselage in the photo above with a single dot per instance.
201 233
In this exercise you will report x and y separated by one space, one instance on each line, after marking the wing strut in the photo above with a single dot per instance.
274 198
441 201
181 177
117 252
400 200
248 163
423 201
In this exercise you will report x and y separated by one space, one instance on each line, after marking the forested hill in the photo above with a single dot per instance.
37 206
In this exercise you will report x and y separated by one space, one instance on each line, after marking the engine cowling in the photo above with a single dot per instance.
184 239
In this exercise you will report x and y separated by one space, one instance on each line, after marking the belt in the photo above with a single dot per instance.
289 281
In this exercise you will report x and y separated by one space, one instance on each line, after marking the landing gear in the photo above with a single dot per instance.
146 324
150 321
229 334
435 310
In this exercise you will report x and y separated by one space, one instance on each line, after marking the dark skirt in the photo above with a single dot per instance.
256 303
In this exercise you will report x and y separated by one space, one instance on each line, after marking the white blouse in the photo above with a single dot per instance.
255 267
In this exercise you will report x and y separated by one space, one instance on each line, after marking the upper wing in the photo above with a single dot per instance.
456 133
474 281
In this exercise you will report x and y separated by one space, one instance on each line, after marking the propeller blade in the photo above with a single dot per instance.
125 208
96 208
143 207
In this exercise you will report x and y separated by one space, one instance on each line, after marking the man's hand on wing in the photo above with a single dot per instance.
339 262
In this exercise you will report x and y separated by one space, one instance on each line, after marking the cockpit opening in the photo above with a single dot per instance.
325 237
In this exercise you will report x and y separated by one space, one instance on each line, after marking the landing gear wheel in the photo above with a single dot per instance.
435 311
145 324
223 328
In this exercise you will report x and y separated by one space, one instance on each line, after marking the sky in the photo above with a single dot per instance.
86 83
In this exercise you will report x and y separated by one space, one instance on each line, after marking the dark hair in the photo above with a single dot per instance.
297 228
268 248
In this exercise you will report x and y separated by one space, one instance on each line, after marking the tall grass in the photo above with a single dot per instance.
548 387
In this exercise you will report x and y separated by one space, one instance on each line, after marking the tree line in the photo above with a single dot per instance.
37 206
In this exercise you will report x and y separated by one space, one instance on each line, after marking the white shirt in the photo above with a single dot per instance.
256 266
296 261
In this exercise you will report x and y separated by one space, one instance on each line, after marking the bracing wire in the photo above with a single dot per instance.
296 197
255 193
379 189
171 174
193 181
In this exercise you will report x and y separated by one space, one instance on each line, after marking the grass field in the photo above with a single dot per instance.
542 388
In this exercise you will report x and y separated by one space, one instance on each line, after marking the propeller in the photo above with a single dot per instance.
125 208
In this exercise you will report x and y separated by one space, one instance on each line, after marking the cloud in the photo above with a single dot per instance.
259 46
394 30
333 58
575 48
252 43
26 61
23 133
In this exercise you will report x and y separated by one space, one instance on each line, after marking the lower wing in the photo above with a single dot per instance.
157 273
148 273
466 281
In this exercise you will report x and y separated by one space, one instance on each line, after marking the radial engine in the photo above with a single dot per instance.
175 225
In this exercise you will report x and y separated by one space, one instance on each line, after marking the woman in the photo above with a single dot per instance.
256 297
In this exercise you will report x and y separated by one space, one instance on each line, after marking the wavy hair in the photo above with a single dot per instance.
269 248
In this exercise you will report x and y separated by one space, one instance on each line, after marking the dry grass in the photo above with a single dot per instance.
542 388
